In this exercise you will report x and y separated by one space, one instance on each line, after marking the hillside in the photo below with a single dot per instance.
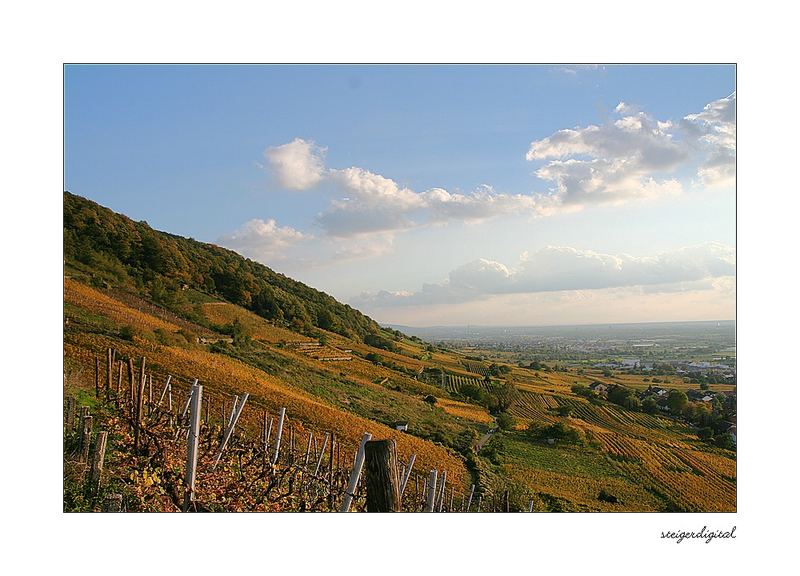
109 249
191 310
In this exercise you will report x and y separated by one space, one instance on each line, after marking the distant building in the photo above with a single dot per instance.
732 432
599 388
402 426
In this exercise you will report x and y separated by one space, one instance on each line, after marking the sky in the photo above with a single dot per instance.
433 195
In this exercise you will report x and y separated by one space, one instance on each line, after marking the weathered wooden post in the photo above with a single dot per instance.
478 507
269 435
278 434
131 382
139 407
442 491
308 450
164 391
330 471
98 459
188 403
505 500
471 493
407 474
86 437
233 411
237 411
530 505
383 484
119 383
71 405
321 454
169 399
150 395
83 414
96 377
142 379
109 368
355 473
430 491
192 441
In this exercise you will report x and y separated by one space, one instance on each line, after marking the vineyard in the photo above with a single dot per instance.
463 410
651 452
454 382
477 367
240 456
629 460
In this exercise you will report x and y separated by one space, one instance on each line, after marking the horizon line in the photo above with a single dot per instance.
555 325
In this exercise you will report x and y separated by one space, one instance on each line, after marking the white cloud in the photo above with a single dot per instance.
612 163
362 246
714 131
297 165
482 204
635 156
557 268
263 240
632 158
374 203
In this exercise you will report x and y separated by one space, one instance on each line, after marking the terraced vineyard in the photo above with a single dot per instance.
654 452
535 407
647 462
225 375
477 367
455 382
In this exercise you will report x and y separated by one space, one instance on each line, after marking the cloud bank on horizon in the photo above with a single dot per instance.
561 268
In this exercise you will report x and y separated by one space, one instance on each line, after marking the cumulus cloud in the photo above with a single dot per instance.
714 131
611 163
558 268
298 165
635 156
263 240
374 203
482 204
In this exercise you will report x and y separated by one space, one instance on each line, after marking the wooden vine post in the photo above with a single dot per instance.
355 473
278 434
71 406
86 437
442 491
192 443
139 405
119 383
430 491
471 494
96 377
330 471
109 369
383 484
132 385
407 475
98 460
237 411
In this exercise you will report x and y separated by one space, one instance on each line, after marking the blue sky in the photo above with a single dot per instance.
371 182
